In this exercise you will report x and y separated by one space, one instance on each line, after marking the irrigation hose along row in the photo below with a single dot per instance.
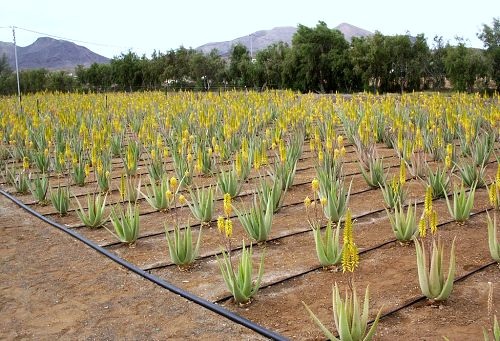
164 284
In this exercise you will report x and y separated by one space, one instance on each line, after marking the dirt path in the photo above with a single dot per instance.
54 287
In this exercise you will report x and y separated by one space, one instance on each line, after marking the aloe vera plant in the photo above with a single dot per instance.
19 179
95 211
257 222
180 246
274 191
375 176
240 282
229 182
159 195
78 174
404 225
39 188
462 203
328 249
493 243
471 174
60 200
202 204
439 182
351 321
432 281
393 193
126 223
337 199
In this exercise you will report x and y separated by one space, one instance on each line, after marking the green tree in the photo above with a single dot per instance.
126 71
464 66
270 63
490 35
318 59
241 70
6 76
436 70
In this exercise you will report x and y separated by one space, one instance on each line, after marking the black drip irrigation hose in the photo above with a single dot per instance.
158 281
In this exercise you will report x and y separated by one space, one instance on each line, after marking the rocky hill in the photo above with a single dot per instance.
51 54
261 39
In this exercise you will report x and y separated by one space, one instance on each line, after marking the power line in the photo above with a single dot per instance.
73 40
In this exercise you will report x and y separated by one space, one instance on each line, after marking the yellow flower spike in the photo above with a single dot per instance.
307 202
153 155
227 204
182 200
320 155
282 151
492 194
434 222
342 151
311 145
99 166
26 163
323 201
350 256
229 228
340 141
428 201
422 228
220 224
173 183
402 173
87 169
315 185
238 164
336 153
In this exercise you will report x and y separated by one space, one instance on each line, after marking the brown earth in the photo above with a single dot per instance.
53 287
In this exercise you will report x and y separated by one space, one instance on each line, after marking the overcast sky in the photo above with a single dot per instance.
146 25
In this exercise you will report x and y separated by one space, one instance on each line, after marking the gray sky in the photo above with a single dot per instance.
162 25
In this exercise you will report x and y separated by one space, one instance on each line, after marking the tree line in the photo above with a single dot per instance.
319 59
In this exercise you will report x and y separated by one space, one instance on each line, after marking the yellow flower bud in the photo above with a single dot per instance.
168 195
173 183
229 228
422 228
26 163
307 202
342 151
428 201
315 185
434 222
182 199
220 224
323 201
227 204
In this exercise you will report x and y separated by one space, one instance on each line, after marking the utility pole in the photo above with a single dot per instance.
17 68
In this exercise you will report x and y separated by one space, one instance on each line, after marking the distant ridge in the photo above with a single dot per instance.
51 54
261 39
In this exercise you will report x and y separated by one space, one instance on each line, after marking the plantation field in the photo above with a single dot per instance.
274 170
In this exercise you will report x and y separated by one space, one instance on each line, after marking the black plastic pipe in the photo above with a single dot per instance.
158 281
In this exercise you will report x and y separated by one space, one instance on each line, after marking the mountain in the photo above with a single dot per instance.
261 39
51 54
